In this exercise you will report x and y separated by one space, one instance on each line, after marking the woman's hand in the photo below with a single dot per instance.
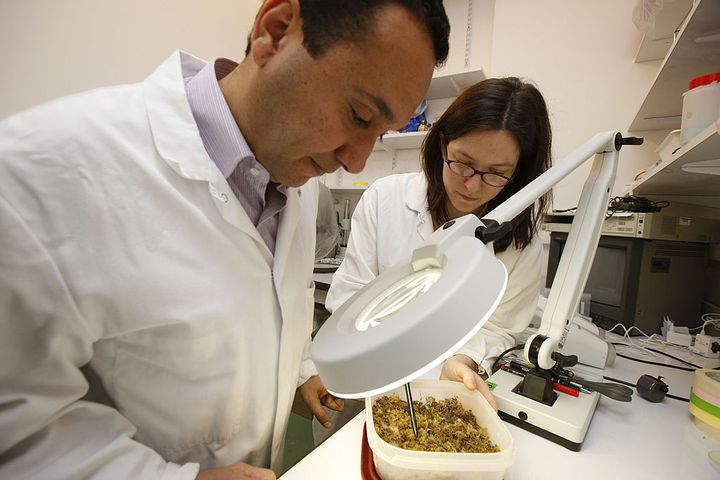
315 395
461 368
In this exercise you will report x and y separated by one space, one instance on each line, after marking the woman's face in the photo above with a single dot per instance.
491 151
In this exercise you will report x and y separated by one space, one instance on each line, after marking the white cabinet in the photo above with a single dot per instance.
695 52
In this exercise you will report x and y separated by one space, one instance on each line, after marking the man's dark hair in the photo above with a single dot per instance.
508 104
329 22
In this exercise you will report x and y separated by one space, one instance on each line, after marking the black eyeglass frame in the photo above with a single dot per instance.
475 171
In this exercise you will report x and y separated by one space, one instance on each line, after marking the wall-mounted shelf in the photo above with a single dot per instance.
400 141
693 54
670 179
452 85
658 40
349 189
442 86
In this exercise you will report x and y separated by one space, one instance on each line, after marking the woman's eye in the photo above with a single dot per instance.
358 120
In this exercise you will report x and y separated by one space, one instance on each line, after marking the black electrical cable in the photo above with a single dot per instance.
628 203
649 362
617 380
674 358
632 203
495 365
677 398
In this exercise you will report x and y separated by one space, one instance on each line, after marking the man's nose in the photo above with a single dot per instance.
353 155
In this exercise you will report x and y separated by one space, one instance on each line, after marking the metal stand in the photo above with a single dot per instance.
564 419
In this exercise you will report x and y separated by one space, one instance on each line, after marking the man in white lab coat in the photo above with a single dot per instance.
157 243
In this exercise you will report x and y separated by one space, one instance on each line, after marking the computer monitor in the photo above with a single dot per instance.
637 282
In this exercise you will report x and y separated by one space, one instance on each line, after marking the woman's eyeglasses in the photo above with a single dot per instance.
492 179
464 170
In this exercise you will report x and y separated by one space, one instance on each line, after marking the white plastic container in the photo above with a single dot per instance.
701 106
393 463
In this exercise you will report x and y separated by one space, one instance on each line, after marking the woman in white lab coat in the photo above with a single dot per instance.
492 141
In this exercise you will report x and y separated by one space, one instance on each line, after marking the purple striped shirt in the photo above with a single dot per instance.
226 146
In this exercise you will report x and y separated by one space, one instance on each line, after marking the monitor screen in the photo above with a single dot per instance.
605 282
636 282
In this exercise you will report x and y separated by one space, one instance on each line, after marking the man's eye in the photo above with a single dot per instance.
358 120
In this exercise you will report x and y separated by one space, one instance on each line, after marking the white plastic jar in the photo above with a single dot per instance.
701 106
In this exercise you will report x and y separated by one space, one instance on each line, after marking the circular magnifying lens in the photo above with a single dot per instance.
396 297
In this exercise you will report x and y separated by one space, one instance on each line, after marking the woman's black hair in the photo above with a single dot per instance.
508 104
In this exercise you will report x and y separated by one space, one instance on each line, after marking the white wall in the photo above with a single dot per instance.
50 48
580 53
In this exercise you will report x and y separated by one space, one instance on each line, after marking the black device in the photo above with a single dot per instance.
652 389
630 203
636 281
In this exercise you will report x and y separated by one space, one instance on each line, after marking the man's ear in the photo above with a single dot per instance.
274 21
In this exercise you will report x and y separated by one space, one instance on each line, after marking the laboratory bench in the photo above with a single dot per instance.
322 280
322 284
635 440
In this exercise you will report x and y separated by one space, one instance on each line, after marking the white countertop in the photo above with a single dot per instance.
325 278
636 440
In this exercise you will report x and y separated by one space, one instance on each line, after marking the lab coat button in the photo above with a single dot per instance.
224 197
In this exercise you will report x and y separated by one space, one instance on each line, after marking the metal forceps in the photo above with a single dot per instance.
411 408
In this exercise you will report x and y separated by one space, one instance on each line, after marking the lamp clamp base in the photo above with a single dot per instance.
537 385
562 361
491 230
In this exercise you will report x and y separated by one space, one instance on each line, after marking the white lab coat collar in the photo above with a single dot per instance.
179 143
416 201
174 130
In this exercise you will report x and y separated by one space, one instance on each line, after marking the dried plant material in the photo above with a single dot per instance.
444 426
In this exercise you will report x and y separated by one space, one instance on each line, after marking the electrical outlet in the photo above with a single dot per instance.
706 346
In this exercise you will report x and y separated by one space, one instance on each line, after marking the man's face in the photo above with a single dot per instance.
313 116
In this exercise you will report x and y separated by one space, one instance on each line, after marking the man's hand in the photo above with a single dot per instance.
315 395
461 368
237 471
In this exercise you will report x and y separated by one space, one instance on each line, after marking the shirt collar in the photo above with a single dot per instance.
220 134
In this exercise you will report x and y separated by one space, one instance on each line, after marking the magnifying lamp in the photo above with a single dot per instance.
412 317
